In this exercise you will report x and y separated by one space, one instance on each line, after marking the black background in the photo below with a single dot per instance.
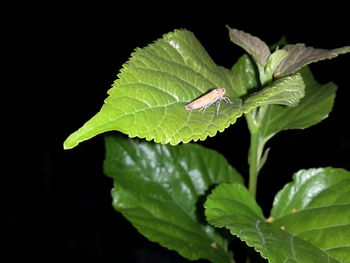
66 57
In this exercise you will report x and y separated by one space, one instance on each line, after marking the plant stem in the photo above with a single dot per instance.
255 151
253 163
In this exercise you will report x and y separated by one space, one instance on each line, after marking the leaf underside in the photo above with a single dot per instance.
159 189
299 56
253 45
285 61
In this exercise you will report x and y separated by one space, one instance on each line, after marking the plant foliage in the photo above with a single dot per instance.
161 189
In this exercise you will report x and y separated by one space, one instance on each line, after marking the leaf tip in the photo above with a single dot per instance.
70 142
342 50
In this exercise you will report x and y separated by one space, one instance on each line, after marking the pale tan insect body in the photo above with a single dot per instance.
215 96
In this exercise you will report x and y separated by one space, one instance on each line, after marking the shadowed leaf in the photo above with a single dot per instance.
159 189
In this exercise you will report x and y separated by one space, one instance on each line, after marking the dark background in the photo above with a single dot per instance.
66 58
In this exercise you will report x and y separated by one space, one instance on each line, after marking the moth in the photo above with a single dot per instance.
205 101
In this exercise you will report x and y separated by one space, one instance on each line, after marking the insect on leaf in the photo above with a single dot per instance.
148 98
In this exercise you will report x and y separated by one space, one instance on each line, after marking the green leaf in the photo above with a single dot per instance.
274 60
232 206
312 108
156 83
253 45
160 189
316 208
308 187
286 91
244 77
299 56
233 198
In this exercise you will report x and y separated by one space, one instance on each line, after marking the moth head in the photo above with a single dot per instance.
220 91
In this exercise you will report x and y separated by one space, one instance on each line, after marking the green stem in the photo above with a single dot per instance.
255 151
253 163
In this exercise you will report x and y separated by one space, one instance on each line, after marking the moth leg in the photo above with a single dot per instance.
227 100
205 107
218 106
208 105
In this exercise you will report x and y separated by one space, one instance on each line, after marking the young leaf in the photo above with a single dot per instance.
148 99
244 77
159 190
299 56
285 91
253 45
313 107
232 206
316 208
274 60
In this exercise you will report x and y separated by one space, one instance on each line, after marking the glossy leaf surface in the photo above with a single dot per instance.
311 217
316 208
160 189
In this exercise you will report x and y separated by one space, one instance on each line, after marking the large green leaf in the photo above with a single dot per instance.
313 107
160 189
231 206
156 83
316 208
